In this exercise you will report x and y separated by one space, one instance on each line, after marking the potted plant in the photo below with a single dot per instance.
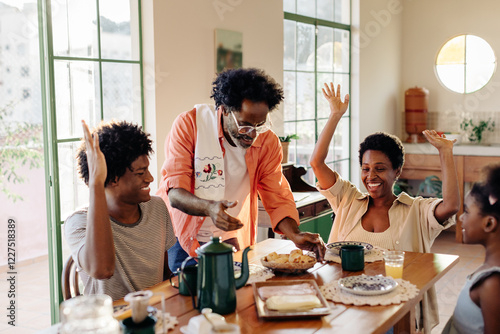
475 131
285 141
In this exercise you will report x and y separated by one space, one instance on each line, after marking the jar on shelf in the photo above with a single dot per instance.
416 101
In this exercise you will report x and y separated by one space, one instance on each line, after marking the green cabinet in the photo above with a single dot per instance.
321 224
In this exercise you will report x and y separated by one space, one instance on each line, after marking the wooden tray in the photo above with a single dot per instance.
264 312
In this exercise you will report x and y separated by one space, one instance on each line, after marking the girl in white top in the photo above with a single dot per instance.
409 223
478 305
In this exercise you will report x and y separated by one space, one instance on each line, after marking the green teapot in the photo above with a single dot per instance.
216 286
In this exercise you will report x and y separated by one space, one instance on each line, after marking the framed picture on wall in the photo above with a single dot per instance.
228 49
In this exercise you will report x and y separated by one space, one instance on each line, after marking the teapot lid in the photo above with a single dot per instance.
215 246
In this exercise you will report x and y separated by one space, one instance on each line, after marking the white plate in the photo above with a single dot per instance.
334 247
367 285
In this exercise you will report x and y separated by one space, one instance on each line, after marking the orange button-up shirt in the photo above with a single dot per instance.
263 161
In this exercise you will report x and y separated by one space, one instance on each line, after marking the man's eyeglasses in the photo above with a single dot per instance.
246 129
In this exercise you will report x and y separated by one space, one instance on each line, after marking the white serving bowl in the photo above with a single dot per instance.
457 136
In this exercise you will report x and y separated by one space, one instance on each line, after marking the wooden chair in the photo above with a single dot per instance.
69 279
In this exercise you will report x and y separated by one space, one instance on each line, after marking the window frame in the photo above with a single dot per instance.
51 140
335 25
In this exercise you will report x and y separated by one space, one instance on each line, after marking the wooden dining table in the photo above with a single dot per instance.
421 269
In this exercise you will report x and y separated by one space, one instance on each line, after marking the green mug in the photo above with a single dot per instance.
352 257
187 280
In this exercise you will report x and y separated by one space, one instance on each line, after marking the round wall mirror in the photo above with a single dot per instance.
465 64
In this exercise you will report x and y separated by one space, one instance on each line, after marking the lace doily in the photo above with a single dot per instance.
259 273
376 254
404 291
170 322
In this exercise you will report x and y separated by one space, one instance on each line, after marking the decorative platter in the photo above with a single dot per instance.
335 246
367 285
282 288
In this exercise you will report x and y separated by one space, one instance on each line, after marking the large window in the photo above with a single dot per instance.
93 71
316 51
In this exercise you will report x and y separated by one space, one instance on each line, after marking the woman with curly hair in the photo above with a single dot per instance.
219 159
379 217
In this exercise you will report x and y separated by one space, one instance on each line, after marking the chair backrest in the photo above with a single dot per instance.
69 279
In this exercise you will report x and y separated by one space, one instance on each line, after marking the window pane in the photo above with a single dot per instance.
325 10
341 140
290 96
121 87
480 63
321 125
306 132
343 11
323 106
305 47
305 96
342 167
306 7
74 28
289 28
452 76
477 75
342 51
289 6
74 193
344 81
453 52
290 128
119 29
309 177
76 84
478 51
325 49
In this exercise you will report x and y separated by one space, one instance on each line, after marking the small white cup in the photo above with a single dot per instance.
139 302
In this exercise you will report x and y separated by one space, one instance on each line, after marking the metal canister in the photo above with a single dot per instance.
416 101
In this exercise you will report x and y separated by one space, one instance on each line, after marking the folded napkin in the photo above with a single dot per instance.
292 303
209 181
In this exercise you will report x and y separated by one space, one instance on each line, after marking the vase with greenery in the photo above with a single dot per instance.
475 131
285 141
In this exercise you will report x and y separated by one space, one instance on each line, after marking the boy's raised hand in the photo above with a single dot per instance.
95 158
337 107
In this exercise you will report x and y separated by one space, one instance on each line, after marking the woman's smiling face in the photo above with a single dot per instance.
377 174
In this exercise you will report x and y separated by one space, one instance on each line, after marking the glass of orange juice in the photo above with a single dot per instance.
394 261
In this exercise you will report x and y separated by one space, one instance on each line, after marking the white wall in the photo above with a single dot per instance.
184 51
427 25
380 65
377 43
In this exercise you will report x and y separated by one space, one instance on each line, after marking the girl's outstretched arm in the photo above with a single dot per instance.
451 196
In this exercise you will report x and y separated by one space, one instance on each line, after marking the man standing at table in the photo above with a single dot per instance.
220 159
120 241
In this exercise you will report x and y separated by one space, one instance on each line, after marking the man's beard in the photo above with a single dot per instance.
237 142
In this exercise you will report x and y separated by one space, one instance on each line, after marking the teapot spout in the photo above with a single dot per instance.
245 272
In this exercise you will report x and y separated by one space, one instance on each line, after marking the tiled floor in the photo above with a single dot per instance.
33 313
448 287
